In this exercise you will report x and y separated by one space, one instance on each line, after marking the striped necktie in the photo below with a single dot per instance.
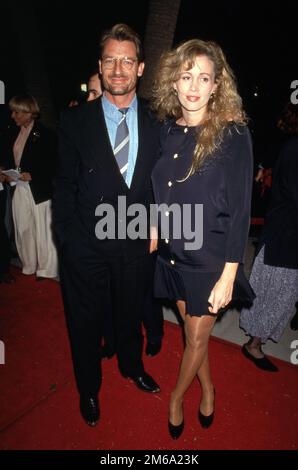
122 143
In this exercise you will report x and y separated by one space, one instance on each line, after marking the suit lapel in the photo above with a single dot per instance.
97 141
28 151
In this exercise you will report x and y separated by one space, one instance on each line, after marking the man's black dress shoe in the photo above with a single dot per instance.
175 431
153 348
261 362
144 382
90 410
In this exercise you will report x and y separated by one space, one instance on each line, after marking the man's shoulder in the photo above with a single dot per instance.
291 143
76 115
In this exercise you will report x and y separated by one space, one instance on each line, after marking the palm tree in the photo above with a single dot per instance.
159 35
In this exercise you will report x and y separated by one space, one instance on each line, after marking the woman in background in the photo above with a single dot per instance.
274 276
31 148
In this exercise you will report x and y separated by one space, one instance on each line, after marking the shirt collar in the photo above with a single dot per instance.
111 110
27 130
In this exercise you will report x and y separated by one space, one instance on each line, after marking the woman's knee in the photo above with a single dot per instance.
197 331
195 339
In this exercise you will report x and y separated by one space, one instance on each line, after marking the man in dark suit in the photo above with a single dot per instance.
92 174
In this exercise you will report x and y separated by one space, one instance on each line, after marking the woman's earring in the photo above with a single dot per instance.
212 96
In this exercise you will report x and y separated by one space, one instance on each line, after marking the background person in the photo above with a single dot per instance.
274 275
94 89
31 148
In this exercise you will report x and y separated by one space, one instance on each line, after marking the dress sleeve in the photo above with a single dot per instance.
239 178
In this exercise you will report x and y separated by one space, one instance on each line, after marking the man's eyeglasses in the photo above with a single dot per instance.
126 62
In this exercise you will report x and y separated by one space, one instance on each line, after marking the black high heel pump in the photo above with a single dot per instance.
204 420
175 431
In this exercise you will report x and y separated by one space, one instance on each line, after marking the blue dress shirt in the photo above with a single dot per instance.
112 118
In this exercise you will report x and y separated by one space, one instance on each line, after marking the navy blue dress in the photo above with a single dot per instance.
223 187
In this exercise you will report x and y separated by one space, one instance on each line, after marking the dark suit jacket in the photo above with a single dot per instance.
280 234
39 158
88 174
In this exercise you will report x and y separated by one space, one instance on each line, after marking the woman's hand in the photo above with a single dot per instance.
221 294
8 179
153 239
25 177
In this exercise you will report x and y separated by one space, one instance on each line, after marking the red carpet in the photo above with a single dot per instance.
39 402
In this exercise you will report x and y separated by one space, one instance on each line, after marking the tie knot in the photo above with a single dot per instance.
123 110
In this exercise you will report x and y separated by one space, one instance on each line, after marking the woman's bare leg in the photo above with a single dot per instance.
194 361
203 373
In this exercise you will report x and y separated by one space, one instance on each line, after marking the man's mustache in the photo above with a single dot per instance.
118 76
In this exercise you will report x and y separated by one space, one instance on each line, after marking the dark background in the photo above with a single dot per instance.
260 41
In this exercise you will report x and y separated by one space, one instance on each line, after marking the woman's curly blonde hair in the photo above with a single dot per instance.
224 106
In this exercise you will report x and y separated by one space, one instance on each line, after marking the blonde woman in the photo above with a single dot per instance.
31 148
206 159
